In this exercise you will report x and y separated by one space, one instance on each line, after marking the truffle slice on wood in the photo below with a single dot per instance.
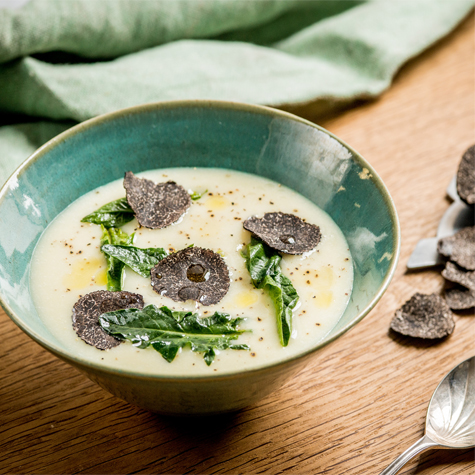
456 274
460 247
466 177
286 233
87 309
192 274
459 298
155 205
424 316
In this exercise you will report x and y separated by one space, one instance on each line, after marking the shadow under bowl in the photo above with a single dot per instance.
252 139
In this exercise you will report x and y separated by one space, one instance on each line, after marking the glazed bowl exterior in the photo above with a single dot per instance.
252 139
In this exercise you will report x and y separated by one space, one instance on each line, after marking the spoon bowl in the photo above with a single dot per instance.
451 415
450 421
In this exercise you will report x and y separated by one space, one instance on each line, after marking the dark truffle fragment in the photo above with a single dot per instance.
460 247
192 274
87 309
466 177
155 205
285 232
424 316
459 298
456 274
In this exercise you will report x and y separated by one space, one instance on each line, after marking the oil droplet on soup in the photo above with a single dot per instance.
325 278
216 203
85 271
246 299
323 299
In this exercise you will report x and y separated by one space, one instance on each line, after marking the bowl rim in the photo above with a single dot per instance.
257 109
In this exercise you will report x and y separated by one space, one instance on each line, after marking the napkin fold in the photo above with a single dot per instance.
77 59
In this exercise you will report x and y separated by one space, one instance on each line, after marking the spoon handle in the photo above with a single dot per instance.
421 445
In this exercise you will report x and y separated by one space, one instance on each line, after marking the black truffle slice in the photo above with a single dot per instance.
155 205
87 309
466 177
285 232
459 298
460 247
456 274
192 274
424 316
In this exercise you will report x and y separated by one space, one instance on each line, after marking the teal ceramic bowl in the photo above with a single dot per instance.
253 139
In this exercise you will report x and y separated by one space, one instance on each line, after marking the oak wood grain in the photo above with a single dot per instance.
359 404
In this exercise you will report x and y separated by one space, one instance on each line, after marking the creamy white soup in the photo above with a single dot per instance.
67 263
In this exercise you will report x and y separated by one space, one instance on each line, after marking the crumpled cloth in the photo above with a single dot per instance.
67 61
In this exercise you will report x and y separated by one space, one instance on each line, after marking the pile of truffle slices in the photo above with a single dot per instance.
430 316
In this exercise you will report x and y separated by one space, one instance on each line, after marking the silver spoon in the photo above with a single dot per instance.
450 421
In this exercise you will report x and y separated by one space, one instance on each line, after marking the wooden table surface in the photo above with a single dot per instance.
361 401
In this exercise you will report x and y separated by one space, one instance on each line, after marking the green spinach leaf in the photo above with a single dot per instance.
167 330
112 215
195 195
115 267
139 260
263 264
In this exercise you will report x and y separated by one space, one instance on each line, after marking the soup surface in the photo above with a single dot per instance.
68 263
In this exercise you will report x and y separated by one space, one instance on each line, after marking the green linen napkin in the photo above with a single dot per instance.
121 53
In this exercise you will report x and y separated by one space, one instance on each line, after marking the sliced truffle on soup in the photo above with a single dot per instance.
286 233
460 248
156 205
424 316
192 274
466 177
87 309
